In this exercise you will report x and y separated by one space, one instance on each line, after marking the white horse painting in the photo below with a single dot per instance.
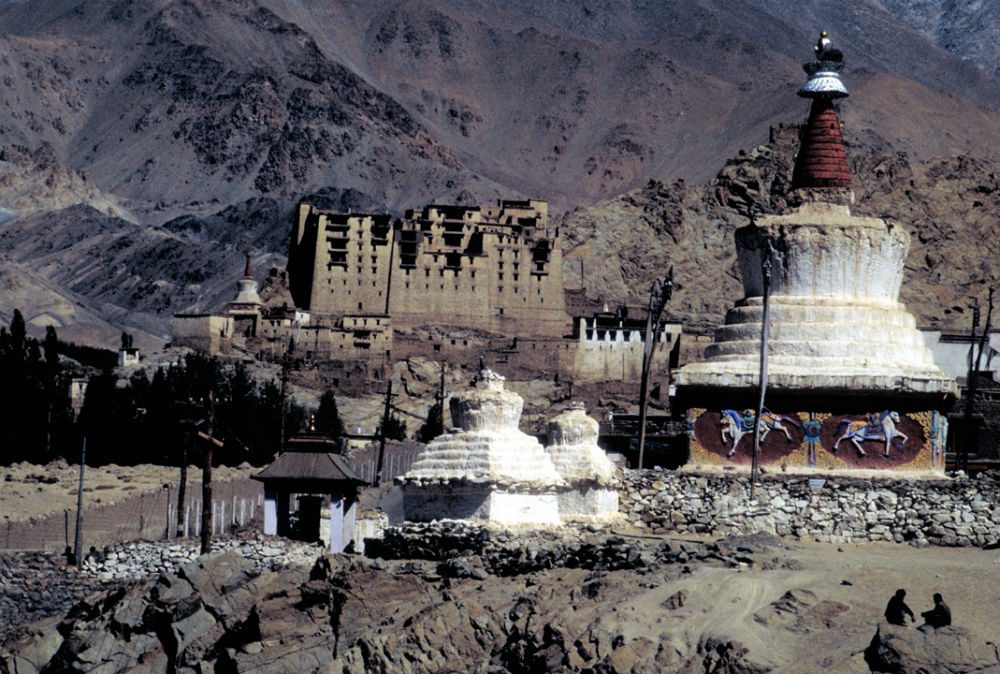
736 425
883 429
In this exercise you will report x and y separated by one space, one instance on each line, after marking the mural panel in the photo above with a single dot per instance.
869 439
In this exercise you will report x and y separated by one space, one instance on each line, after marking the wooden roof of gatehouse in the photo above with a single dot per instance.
309 465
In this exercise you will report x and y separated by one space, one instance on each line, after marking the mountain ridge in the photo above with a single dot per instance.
201 124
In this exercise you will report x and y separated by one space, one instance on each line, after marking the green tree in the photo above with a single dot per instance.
434 426
328 416
395 428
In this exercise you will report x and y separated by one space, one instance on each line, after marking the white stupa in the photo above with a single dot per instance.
484 469
851 385
584 466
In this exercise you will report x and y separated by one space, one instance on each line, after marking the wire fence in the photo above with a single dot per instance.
396 462
147 516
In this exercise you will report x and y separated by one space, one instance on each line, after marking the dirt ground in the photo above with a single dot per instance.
849 584
31 490
800 608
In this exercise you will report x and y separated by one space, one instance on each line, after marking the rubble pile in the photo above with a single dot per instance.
35 585
467 550
130 561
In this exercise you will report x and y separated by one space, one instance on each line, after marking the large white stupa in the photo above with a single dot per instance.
850 383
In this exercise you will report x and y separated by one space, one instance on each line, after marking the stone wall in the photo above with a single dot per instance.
956 512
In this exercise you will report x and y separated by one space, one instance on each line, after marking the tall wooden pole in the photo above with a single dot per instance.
986 331
659 295
975 361
381 440
286 362
441 394
78 537
206 479
182 486
764 331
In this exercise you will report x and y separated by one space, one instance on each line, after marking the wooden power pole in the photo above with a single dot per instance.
764 332
385 426
659 295
206 475
78 536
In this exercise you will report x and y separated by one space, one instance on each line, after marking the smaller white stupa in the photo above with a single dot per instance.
485 469
586 468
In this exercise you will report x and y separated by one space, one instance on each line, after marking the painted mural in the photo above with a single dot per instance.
871 439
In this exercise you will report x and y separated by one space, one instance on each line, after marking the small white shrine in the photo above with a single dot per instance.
485 469
586 468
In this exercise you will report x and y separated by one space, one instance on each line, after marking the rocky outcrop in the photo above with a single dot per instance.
36 585
948 650
218 611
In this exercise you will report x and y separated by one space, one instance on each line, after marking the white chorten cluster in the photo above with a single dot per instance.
487 469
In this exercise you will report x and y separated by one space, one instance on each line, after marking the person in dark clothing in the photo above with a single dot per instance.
940 615
897 610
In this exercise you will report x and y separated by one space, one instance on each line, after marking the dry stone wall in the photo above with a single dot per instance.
953 512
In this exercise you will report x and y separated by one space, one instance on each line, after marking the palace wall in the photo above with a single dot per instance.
497 269
212 333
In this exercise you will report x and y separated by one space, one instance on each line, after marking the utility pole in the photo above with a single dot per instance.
975 361
764 331
286 363
986 331
206 475
659 295
78 537
182 487
381 441
441 394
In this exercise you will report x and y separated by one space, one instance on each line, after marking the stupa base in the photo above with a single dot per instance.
598 504
484 503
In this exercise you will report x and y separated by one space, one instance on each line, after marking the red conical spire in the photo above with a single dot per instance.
822 159
248 270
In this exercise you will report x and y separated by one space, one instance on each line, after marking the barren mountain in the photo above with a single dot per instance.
191 127
968 29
